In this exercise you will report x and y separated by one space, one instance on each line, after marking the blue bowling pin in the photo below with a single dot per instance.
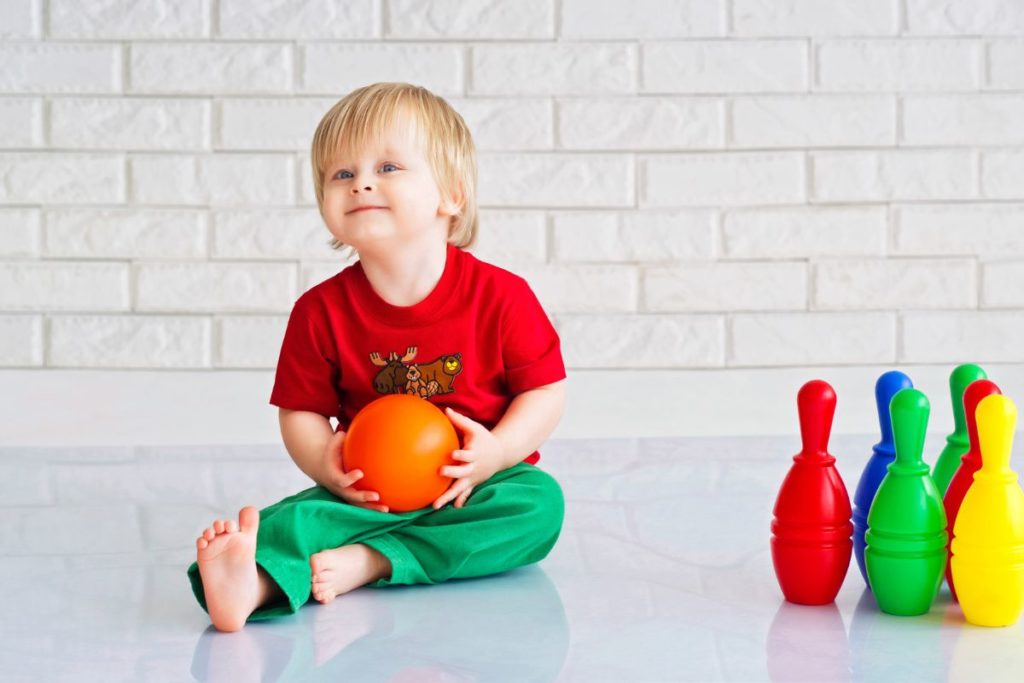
882 454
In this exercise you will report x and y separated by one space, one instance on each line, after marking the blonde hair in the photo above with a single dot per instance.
364 113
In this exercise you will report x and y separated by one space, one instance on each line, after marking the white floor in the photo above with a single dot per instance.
662 573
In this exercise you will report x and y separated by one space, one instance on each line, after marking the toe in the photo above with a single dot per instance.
231 527
201 543
249 519
314 563
218 526
209 534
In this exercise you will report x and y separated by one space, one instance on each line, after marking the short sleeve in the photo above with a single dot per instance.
530 348
307 369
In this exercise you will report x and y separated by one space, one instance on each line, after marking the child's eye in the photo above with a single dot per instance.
341 175
385 167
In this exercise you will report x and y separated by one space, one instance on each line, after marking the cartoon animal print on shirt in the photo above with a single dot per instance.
399 376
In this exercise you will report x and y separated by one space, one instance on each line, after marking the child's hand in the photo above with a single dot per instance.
339 482
483 454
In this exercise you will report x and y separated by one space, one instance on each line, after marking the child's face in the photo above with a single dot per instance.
394 175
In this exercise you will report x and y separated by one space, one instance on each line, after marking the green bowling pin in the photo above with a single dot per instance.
906 537
957 443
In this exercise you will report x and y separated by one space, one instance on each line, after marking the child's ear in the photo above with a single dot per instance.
453 204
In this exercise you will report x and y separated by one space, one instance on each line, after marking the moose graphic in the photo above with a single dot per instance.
398 375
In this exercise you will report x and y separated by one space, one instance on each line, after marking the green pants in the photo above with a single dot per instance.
512 519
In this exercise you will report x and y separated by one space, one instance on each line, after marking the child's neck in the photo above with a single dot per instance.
405 276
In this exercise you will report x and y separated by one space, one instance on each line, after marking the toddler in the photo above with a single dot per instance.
394 170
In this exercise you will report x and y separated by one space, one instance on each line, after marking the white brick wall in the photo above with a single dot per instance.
692 184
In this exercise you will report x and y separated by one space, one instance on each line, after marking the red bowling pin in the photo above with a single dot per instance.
970 462
811 533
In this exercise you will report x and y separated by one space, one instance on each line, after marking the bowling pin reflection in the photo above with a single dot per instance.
469 630
807 643
884 647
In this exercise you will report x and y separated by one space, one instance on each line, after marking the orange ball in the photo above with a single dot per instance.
401 442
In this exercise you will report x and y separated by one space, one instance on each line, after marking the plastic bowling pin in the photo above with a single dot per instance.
811 531
956 443
988 545
882 454
969 464
906 537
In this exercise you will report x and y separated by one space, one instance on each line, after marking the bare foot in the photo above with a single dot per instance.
227 564
342 569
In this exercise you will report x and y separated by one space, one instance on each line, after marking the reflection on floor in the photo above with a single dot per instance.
662 573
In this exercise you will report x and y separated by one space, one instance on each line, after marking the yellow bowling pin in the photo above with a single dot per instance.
988 539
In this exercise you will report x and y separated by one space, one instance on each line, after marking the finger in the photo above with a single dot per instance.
461 421
457 472
464 456
463 497
350 478
369 496
373 506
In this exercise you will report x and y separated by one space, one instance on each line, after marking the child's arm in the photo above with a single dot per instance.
528 421
316 449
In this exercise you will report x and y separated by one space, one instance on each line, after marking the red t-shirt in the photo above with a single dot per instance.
478 339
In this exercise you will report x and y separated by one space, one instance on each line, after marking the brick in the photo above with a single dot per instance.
125 233
726 287
130 123
210 68
269 124
249 341
215 287
453 19
21 345
22 19
61 179
1002 174
300 19
333 69
642 341
57 68
270 234
959 229
216 180
722 179
815 18
24 483
313 273
1004 60
89 341
892 175
642 19
804 232
304 167
898 65
553 69
651 236
511 237
138 20
21 119
953 337
813 121
796 339
895 284
648 123
45 286
969 120
520 124
555 180
20 233
695 67
959 17
583 289
1002 285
